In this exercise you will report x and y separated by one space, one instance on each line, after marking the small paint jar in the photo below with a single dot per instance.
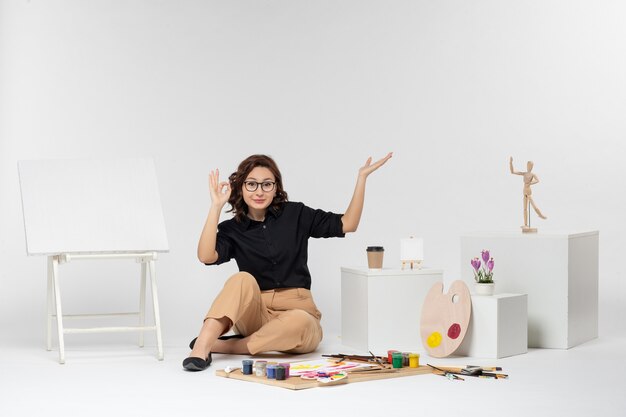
280 373
397 359
414 360
286 365
405 359
271 371
246 366
390 355
259 368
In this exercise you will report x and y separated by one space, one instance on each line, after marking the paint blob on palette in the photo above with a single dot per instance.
445 318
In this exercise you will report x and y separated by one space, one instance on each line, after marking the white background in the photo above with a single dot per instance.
453 88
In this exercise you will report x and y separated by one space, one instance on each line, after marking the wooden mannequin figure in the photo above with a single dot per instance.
529 179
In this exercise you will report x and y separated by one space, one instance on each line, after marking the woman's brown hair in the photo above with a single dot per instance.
238 205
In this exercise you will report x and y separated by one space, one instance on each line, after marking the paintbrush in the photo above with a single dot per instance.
474 371
486 368
376 359
354 358
375 370
470 369
494 375
447 374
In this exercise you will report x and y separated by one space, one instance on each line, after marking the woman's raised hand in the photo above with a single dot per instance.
220 191
368 168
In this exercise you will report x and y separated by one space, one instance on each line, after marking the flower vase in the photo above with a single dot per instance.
483 288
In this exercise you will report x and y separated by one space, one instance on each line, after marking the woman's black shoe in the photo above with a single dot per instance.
197 364
230 336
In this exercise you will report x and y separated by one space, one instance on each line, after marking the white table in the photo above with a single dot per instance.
498 327
381 309
558 271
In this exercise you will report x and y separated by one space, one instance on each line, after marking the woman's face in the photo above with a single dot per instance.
259 200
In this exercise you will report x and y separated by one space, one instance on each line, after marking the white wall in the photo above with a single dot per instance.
452 87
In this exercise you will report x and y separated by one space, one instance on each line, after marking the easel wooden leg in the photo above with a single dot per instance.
142 303
155 304
59 310
49 306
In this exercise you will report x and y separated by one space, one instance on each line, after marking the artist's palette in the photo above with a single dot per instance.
333 379
445 318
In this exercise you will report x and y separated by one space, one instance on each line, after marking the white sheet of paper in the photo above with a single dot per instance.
325 365
91 206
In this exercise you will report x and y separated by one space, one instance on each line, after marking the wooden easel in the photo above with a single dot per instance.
412 252
55 310
94 210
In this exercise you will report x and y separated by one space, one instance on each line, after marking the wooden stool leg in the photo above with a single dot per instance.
155 303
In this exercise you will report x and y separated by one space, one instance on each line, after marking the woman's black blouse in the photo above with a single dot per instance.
275 251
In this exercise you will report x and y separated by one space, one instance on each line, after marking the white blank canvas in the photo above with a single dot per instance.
91 206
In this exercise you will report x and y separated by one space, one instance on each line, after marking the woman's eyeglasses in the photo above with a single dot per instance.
266 186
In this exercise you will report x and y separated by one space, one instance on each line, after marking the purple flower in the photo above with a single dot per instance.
475 263
490 265
483 271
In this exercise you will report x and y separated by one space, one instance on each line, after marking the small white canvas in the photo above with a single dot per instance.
412 249
91 206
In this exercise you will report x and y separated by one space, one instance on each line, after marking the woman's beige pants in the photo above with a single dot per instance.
284 320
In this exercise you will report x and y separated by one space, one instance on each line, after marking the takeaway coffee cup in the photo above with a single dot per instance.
375 257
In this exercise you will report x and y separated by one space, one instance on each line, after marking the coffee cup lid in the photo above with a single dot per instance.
375 249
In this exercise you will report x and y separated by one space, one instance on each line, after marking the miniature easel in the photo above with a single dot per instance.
94 210
412 252
417 263
529 179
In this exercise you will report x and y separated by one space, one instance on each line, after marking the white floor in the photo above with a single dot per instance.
122 380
